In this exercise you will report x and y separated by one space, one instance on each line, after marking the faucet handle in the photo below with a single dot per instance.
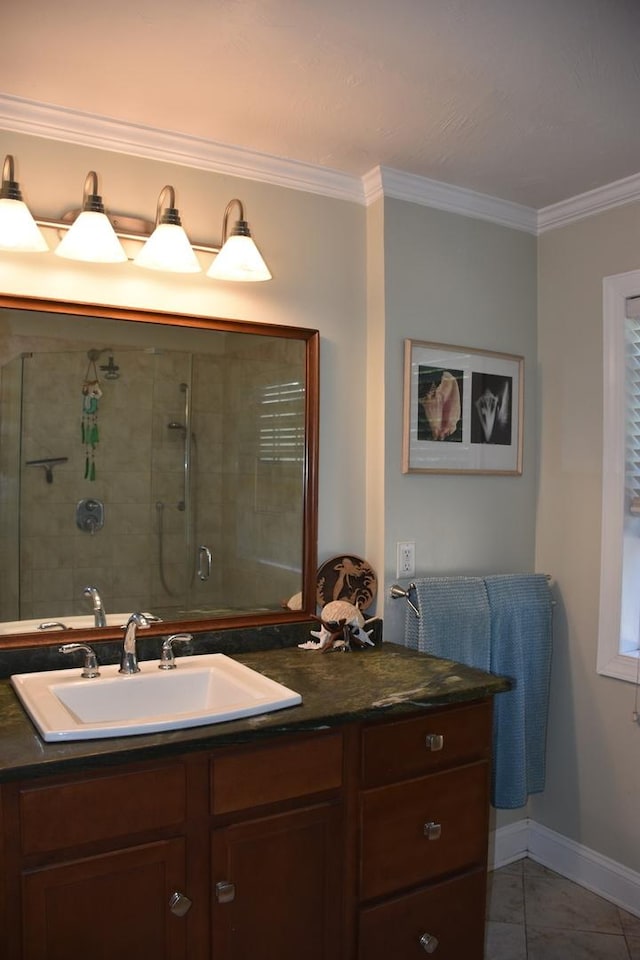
167 661
90 669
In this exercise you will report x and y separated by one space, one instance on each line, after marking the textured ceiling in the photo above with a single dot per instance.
532 101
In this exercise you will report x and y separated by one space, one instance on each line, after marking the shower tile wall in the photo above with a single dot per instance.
261 488
241 500
58 560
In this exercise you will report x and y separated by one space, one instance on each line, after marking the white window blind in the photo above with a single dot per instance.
632 398
282 422
619 616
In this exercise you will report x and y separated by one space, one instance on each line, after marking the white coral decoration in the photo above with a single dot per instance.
338 611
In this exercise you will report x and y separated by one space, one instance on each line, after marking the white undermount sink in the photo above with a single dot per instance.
208 688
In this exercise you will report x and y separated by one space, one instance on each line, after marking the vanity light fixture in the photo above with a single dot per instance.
18 229
168 247
239 258
91 237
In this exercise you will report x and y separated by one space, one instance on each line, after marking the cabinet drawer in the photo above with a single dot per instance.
451 913
62 815
273 773
432 741
399 849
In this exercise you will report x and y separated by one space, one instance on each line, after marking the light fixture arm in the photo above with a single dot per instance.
91 200
166 211
241 227
10 189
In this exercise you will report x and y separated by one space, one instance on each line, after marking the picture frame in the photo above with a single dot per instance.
462 410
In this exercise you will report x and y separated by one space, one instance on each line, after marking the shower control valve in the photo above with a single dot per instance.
90 515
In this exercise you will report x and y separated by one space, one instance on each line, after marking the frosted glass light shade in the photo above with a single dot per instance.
91 238
18 229
168 248
239 259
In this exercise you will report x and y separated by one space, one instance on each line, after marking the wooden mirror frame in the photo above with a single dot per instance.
311 338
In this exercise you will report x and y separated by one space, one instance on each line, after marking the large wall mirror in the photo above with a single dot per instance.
168 462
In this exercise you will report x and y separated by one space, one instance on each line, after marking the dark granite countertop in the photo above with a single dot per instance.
336 688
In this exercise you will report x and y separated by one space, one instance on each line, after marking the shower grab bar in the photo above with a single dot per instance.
186 461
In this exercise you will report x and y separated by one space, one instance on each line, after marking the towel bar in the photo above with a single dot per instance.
396 592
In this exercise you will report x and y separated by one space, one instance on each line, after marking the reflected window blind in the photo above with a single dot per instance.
282 422
632 383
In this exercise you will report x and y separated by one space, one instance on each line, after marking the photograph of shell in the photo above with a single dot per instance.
490 408
462 410
440 404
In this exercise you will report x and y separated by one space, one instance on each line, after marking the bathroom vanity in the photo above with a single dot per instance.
351 827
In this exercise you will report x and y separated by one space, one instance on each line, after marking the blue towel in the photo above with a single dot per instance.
521 614
454 620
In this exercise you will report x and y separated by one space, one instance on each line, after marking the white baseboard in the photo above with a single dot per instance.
595 872
507 844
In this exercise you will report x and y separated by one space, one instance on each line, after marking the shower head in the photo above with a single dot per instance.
174 425
111 369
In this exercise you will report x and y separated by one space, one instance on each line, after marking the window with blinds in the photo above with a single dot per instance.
619 614
632 398
282 422
630 595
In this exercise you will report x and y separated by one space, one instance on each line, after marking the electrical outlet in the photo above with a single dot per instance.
406 565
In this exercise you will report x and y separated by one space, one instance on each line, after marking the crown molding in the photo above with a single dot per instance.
74 126
384 181
587 204
105 133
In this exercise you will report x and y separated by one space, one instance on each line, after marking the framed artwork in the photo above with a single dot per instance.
463 410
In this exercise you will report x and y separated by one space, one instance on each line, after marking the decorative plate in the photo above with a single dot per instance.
346 578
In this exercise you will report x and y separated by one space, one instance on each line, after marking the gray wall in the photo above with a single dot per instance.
456 280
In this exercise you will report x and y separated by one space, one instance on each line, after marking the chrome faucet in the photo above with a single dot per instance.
129 659
99 615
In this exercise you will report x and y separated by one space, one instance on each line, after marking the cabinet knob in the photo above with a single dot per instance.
225 891
428 943
434 742
432 830
179 904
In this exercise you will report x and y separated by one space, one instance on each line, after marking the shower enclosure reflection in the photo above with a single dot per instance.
197 457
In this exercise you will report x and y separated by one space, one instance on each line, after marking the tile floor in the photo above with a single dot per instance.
535 914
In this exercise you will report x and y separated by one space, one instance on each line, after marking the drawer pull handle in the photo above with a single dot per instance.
179 904
432 830
434 742
428 943
225 891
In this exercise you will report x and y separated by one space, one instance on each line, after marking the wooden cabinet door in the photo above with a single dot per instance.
277 887
111 906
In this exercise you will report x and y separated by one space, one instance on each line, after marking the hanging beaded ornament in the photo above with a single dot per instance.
91 394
